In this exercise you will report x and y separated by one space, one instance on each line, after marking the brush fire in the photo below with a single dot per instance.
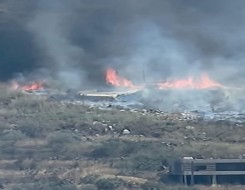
183 95
93 59
203 82
33 86
114 79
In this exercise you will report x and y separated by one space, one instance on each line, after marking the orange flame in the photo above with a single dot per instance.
114 79
33 86
202 83
29 87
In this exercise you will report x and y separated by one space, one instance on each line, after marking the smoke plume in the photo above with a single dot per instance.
73 42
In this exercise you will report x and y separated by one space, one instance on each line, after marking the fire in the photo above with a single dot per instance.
33 86
190 82
114 79
29 87
203 82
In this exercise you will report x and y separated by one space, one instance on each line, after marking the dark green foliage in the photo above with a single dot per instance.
114 148
65 143
88 187
26 164
49 184
109 184
152 185
89 179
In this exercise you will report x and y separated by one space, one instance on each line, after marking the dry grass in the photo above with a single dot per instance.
31 143
128 179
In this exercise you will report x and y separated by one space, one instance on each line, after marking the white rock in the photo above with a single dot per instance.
126 132
190 127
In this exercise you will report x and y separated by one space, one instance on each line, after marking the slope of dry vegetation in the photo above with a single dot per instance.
53 145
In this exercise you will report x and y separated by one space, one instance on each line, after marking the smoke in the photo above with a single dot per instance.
73 42
61 56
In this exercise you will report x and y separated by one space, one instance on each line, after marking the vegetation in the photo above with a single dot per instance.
53 145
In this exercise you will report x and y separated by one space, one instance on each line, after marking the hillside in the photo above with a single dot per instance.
54 144
57 145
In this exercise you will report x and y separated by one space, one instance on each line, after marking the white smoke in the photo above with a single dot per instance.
61 56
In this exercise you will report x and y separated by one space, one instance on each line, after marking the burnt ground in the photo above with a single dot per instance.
74 146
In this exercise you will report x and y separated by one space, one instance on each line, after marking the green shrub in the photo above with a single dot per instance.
48 184
109 184
114 148
25 164
88 187
89 179
65 143
151 185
